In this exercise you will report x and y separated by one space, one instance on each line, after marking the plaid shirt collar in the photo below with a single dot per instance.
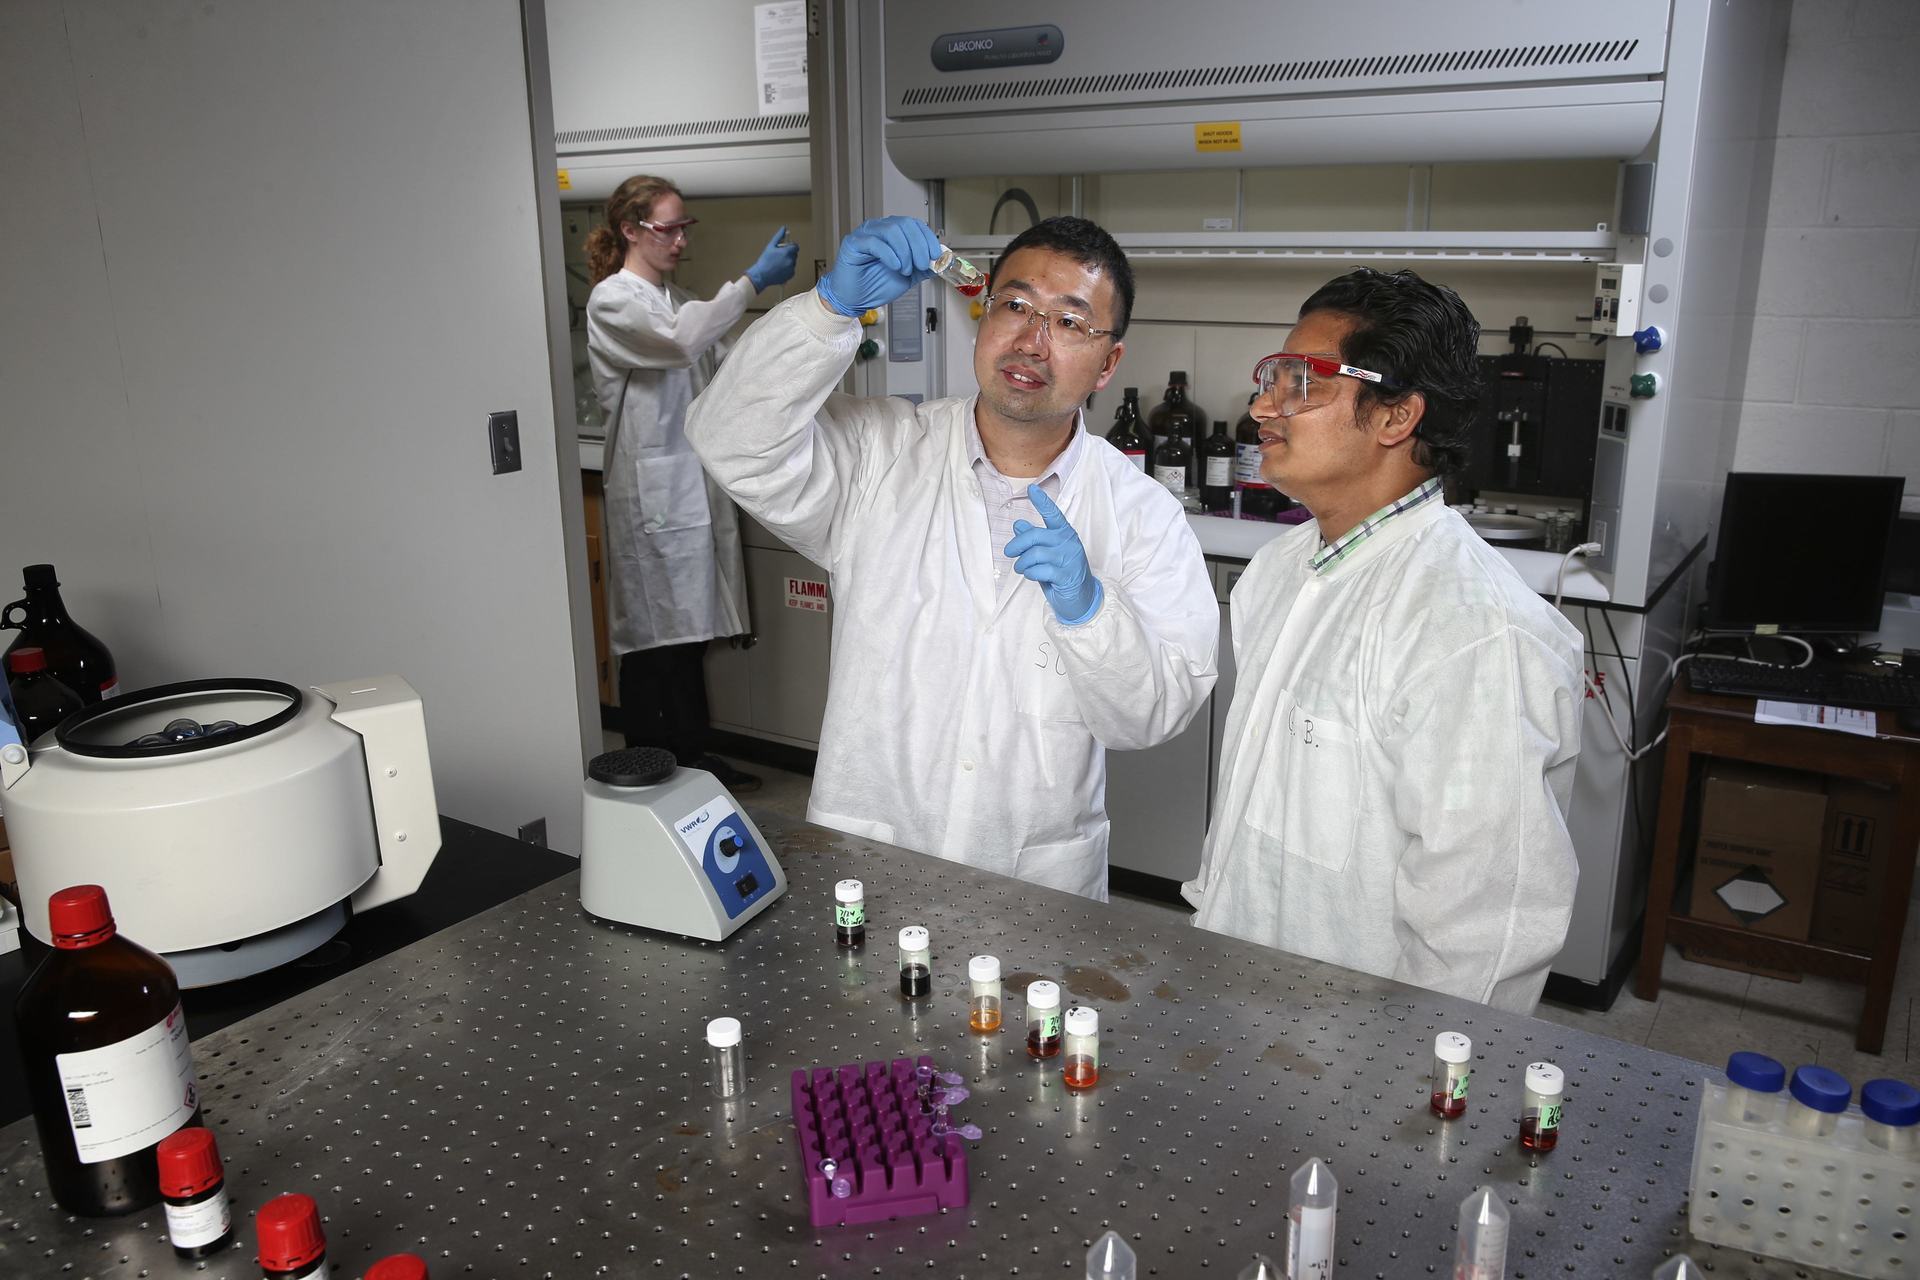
1332 553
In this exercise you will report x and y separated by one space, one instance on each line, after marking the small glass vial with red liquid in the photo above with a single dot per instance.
916 962
1452 1069
399 1266
1043 1019
958 272
292 1245
1082 1067
849 913
983 1009
1540 1118
193 1190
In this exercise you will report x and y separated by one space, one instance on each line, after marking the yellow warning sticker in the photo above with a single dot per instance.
1217 135
567 185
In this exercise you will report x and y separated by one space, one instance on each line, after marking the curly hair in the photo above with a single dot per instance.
631 201
1423 337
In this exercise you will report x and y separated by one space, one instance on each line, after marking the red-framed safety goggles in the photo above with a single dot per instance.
1306 381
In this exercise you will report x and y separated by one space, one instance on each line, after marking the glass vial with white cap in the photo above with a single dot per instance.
1111 1258
1082 1066
916 961
1817 1099
1043 1019
1892 1110
849 913
983 1007
1452 1069
727 1056
1540 1113
1480 1251
958 272
1754 1085
1310 1221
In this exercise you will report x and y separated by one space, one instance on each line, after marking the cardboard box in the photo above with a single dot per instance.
1856 850
1757 861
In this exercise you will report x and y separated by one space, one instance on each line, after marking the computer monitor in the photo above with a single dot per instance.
1802 553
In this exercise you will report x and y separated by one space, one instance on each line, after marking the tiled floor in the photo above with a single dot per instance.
1703 1012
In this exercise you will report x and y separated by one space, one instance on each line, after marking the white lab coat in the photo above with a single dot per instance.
675 570
1398 762
959 723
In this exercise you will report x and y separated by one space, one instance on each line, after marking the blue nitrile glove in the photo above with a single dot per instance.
775 264
878 261
1054 558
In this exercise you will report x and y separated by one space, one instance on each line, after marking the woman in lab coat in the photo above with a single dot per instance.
676 578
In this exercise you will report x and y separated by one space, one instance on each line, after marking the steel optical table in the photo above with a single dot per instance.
526 1095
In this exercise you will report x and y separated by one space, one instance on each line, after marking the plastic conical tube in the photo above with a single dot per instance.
1680 1267
1481 1251
1110 1259
1261 1268
1316 1198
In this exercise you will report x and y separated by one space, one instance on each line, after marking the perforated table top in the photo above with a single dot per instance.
527 1094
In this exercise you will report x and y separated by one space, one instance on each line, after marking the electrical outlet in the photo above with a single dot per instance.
503 438
534 833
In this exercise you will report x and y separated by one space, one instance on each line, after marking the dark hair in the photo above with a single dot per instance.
1422 337
1086 243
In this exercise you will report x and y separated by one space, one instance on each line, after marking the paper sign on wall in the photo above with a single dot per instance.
805 593
566 183
1217 135
780 56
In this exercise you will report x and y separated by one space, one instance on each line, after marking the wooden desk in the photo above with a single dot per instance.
1703 724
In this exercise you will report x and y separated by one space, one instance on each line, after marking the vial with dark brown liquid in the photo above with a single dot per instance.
1543 1104
1452 1070
916 967
849 913
1043 1019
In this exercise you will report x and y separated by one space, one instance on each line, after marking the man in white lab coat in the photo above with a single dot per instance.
1012 595
1400 750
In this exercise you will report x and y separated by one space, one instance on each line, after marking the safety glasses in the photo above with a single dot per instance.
670 231
1009 313
1300 382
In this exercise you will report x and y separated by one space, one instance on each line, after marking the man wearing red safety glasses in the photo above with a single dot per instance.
1400 750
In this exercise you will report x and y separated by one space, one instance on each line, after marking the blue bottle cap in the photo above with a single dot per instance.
1890 1102
1756 1071
1821 1089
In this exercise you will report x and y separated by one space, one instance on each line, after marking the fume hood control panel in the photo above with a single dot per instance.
1616 299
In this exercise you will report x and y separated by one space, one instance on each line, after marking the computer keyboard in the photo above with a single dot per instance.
1831 686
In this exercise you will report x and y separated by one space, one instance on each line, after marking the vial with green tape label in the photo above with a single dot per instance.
849 913
1452 1069
1540 1120
1043 1019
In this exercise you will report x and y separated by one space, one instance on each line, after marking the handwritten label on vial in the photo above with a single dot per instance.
849 914
1550 1115
1459 1089
1049 1026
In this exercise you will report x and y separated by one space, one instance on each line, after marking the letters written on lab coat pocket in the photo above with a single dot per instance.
672 492
1307 786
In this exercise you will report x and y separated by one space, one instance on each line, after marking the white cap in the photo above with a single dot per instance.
849 891
1451 1046
723 1033
1043 994
1083 1021
1545 1078
984 968
913 938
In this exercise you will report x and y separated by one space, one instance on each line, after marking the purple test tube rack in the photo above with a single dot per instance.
866 1118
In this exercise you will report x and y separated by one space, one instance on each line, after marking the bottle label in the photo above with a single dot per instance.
1246 467
1049 1025
849 915
1310 1244
1219 473
1138 457
192 1225
1457 1087
130 1094
1549 1116
1175 478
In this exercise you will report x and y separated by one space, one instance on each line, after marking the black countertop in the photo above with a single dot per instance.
476 869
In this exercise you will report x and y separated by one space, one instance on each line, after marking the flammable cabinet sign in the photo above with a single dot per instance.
808 594
1758 857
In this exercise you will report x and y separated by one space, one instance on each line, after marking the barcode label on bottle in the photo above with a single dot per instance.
132 1093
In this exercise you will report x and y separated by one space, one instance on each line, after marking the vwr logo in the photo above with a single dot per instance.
694 823
968 46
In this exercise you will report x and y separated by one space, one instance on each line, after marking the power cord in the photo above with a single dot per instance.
1560 578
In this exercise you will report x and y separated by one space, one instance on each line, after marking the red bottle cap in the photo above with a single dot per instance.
28 659
189 1163
79 917
289 1230
401 1266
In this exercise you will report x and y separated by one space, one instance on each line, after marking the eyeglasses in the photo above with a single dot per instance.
670 231
1306 382
1009 312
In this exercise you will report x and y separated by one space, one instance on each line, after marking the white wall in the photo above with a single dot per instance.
1833 382
267 269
